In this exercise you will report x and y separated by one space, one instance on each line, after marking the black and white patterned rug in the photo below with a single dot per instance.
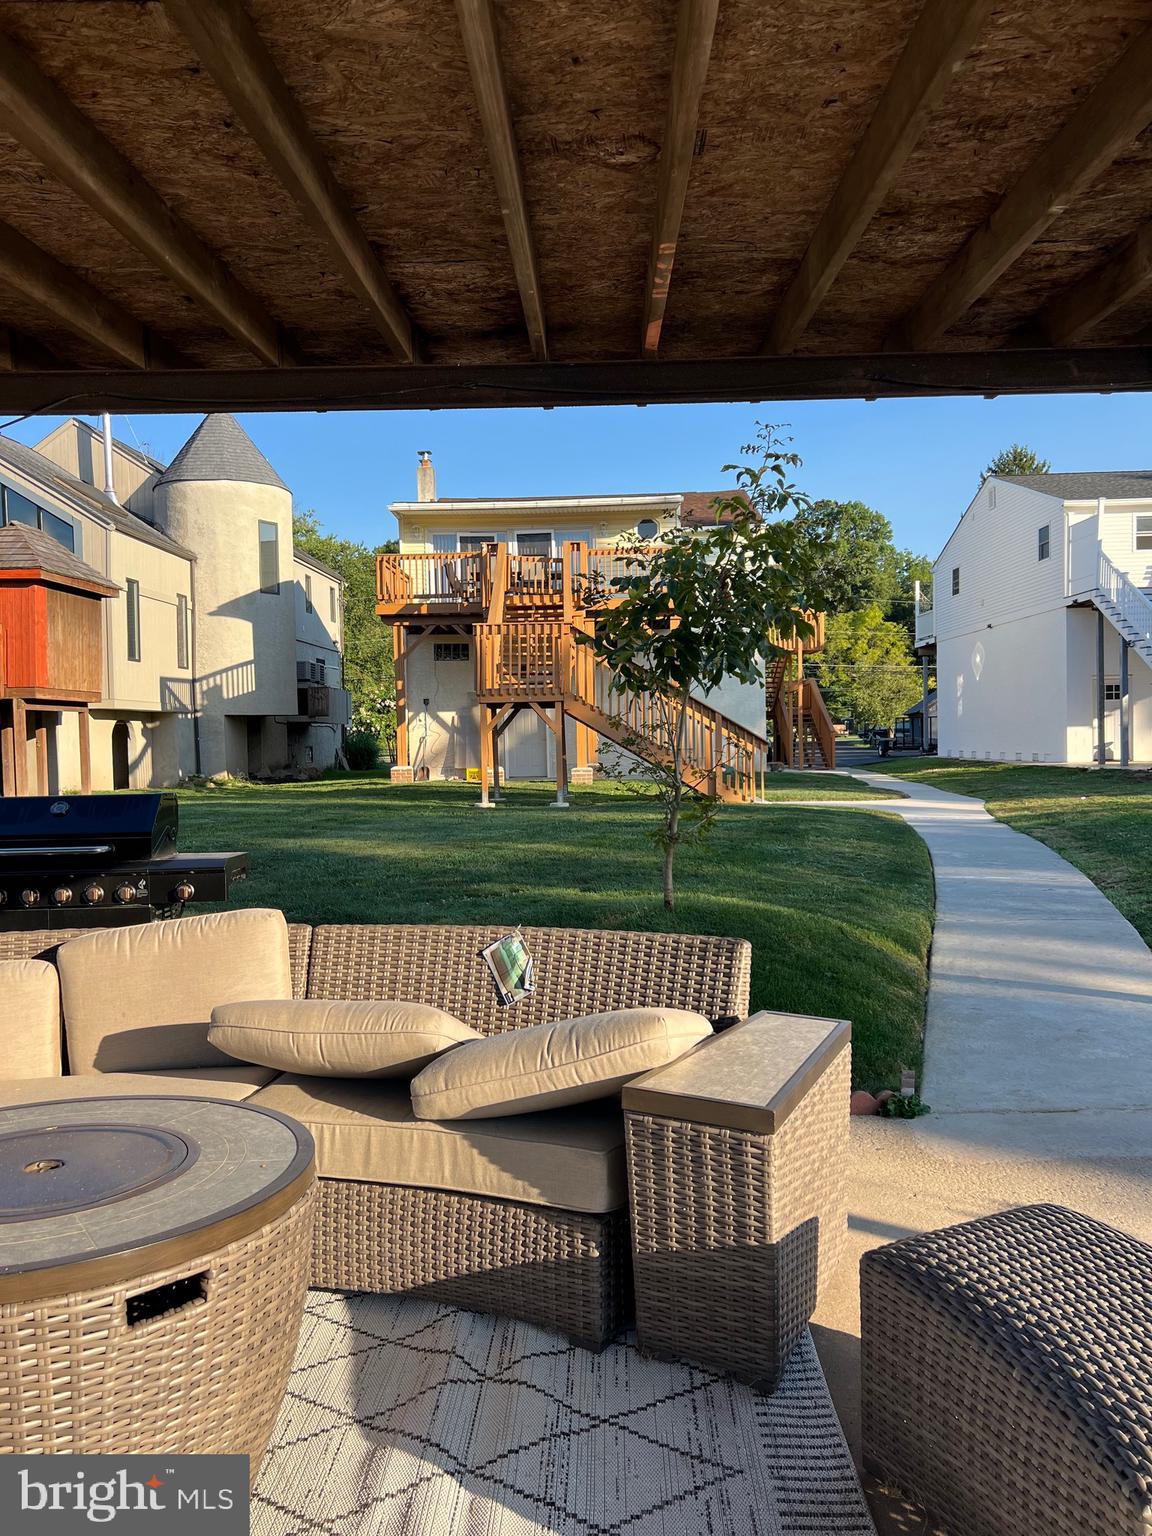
404 1418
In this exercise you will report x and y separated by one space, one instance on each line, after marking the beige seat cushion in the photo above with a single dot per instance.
549 1065
572 1159
329 1039
29 1019
235 1082
139 999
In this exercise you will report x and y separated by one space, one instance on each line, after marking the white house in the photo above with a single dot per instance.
1041 621
222 646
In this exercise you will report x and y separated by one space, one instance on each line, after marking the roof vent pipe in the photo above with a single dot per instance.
109 483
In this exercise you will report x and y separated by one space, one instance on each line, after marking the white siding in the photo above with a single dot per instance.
1001 651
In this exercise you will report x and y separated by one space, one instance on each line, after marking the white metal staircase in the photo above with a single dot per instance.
1125 605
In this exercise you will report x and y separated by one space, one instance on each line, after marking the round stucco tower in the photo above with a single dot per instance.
222 498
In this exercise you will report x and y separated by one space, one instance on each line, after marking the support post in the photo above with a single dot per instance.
19 746
561 801
496 734
402 767
1125 708
7 753
923 704
83 721
41 754
486 753
1101 729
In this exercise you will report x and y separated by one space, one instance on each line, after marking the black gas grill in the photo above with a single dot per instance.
94 861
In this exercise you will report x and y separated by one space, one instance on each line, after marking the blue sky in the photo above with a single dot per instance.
917 461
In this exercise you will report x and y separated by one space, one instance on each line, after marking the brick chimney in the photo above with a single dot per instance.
425 477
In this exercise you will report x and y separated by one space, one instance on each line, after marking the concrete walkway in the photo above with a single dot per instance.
1038 1065
1040 992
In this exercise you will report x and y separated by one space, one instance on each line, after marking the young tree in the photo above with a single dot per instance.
702 608
1018 460
368 669
866 670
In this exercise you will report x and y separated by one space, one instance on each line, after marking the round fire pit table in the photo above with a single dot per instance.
153 1269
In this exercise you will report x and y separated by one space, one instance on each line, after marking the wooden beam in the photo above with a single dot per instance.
482 48
231 49
695 27
1106 122
83 720
37 114
429 386
1080 309
941 39
70 298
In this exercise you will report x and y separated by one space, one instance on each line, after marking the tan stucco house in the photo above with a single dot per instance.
222 645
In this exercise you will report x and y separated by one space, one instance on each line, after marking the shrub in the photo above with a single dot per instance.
362 749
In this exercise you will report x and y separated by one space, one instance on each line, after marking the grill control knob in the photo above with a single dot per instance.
125 892
3 898
184 891
93 894
30 897
62 895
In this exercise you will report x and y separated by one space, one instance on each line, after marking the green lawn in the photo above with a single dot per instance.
822 786
1099 821
837 904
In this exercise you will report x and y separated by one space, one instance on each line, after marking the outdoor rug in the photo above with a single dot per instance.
406 1418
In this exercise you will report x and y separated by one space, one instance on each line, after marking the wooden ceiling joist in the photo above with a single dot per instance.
230 48
38 275
482 49
1080 309
1106 123
419 386
37 114
695 28
941 39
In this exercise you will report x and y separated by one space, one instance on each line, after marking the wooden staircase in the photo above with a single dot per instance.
802 727
542 664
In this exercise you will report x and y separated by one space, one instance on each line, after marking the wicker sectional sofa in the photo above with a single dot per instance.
709 1204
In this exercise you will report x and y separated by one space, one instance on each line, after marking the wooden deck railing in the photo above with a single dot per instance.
812 702
535 582
520 660
436 580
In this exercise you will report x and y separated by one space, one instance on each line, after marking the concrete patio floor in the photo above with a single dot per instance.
1038 1066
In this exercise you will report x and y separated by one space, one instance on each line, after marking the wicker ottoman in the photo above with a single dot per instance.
153 1269
1007 1374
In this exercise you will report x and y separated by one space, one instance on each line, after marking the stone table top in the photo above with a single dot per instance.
83 1179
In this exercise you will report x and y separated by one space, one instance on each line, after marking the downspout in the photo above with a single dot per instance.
192 658
109 478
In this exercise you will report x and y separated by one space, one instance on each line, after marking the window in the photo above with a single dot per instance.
1144 530
647 529
533 543
1111 691
307 593
472 543
955 581
63 532
133 620
333 611
18 509
450 650
1044 542
181 630
269 557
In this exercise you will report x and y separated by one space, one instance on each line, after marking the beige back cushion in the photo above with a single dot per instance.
29 1019
326 1039
551 1065
140 999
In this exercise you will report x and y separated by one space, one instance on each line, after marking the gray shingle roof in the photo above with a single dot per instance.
50 475
220 449
1087 485
28 549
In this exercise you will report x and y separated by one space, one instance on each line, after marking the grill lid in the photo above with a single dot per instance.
101 827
